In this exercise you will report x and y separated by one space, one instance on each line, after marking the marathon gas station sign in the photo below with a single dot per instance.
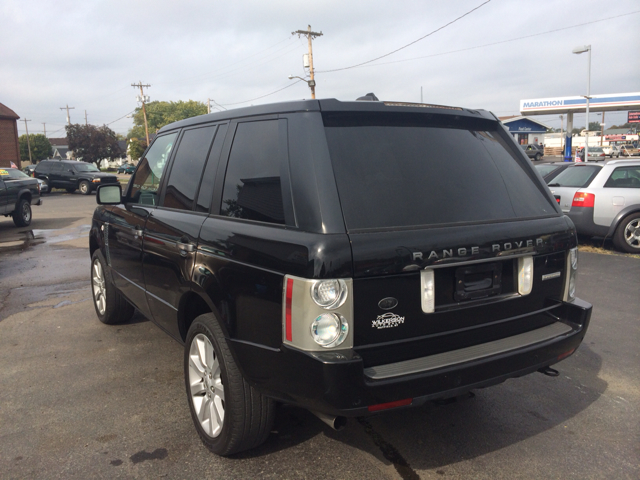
598 103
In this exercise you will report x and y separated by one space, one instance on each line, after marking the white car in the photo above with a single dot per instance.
602 200
611 150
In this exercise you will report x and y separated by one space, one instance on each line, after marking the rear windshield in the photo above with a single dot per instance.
546 169
399 170
579 176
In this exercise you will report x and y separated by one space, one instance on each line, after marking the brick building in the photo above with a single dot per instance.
9 149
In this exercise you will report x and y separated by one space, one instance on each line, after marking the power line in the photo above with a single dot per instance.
258 98
408 44
124 116
489 44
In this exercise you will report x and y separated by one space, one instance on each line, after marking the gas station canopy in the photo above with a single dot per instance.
597 103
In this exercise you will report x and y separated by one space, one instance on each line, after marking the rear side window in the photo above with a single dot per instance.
398 170
252 185
624 177
578 176
187 168
146 181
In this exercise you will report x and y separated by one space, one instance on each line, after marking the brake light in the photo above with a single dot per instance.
587 200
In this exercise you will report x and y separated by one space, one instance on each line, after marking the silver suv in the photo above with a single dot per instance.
602 200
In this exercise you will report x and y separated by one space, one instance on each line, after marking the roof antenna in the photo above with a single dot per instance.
369 97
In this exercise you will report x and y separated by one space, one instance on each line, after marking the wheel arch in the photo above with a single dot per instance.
635 208
191 306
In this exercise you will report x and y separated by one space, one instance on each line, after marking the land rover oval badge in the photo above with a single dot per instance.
388 303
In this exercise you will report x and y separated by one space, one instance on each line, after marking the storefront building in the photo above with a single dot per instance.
525 130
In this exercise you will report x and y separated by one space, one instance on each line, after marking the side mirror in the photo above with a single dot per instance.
109 194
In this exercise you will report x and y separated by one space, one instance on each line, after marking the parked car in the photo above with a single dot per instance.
628 150
611 150
72 175
18 192
29 169
603 201
345 257
533 151
126 168
551 170
44 186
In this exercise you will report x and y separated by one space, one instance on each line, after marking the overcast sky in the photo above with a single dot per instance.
86 54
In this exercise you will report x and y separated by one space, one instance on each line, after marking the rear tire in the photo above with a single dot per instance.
229 415
627 235
111 306
22 214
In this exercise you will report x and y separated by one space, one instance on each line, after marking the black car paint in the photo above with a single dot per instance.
237 269
12 190
69 176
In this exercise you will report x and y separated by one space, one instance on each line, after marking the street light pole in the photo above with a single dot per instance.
578 51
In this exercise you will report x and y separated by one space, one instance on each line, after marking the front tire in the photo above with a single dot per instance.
85 188
537 157
627 235
229 415
111 306
22 213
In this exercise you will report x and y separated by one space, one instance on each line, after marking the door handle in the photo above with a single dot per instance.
137 234
185 248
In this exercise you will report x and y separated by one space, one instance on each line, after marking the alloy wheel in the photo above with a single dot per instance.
632 233
26 213
206 388
99 287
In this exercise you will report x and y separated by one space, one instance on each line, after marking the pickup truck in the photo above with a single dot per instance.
533 151
18 192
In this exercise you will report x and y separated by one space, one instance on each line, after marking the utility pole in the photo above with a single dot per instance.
142 98
602 129
208 105
67 108
45 128
85 118
310 36
28 142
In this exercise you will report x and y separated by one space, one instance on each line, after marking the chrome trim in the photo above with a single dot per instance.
549 276
482 260
475 352
128 280
161 300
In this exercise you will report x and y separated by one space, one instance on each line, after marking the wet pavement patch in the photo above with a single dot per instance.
390 452
157 454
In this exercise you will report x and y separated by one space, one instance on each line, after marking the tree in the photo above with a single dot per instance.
160 114
93 144
136 148
594 126
40 147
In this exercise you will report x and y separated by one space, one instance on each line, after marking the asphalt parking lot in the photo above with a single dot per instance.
79 399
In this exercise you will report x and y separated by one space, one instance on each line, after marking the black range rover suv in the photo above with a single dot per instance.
346 257
72 175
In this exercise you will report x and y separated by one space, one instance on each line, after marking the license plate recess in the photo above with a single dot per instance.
478 281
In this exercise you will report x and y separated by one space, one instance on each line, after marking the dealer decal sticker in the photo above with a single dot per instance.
387 320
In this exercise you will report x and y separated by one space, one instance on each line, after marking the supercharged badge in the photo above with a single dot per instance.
387 320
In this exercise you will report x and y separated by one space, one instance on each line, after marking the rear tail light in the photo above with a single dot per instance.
317 314
584 200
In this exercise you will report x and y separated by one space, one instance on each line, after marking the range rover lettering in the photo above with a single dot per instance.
344 257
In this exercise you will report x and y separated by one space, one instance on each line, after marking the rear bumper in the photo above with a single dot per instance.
582 218
337 383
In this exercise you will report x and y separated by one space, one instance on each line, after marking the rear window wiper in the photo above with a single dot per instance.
554 185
